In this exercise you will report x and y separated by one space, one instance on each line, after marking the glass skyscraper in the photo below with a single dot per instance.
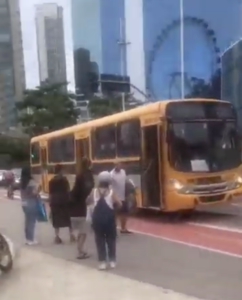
96 32
209 28
232 76
154 58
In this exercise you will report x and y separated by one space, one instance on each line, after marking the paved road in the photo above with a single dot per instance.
39 276
191 271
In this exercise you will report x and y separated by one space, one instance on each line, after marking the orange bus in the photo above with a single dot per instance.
179 153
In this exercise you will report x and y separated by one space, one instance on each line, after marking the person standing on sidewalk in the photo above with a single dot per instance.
29 191
102 200
83 186
119 180
59 194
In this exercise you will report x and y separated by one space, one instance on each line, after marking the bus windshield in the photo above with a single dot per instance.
204 146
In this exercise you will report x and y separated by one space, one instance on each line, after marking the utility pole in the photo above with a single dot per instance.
123 43
182 49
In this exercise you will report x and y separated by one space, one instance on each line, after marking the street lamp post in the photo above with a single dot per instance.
182 48
123 43
84 108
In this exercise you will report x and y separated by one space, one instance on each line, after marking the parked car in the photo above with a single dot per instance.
2 178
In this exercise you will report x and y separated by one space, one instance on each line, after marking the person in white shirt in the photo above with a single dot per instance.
118 181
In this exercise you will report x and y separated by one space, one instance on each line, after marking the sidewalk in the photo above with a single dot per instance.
157 263
39 276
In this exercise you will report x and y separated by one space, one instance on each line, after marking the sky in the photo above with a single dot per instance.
27 8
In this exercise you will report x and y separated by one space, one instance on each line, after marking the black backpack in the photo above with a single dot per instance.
103 218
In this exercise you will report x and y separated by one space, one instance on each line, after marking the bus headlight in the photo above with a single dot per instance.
239 180
236 183
176 184
179 187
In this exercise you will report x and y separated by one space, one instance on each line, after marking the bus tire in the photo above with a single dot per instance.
187 214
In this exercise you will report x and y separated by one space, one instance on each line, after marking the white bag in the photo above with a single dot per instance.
89 213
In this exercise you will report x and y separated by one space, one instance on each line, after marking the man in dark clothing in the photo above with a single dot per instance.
83 186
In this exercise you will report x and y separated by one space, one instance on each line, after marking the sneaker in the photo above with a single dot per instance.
102 266
113 264
31 243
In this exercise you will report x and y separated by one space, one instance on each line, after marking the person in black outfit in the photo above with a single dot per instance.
59 204
78 209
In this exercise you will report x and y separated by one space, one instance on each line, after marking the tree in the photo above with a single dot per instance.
46 108
101 107
108 105
15 149
202 89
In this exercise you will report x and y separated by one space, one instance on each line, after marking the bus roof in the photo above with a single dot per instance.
154 107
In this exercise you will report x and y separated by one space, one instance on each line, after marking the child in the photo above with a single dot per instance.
102 201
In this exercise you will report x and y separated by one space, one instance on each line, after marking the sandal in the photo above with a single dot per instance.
58 240
83 255
125 231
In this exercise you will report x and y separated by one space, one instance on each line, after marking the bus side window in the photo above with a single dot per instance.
104 142
35 153
128 138
67 145
61 149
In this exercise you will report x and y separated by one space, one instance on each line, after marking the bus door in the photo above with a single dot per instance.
82 150
151 166
44 169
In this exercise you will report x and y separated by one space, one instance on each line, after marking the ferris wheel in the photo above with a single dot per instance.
175 76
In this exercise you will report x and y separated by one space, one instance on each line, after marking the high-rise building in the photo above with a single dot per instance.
96 26
12 75
174 49
50 43
231 87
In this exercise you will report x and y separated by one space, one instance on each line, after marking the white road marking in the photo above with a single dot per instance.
237 204
217 227
189 244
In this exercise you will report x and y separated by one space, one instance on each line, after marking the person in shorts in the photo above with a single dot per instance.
78 209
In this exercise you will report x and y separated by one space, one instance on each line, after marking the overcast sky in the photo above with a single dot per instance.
29 40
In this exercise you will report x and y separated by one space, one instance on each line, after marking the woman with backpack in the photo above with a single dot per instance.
102 202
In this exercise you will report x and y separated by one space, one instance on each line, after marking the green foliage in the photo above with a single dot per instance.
101 107
46 108
17 149
108 105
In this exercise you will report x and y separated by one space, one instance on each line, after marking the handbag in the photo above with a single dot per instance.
41 212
